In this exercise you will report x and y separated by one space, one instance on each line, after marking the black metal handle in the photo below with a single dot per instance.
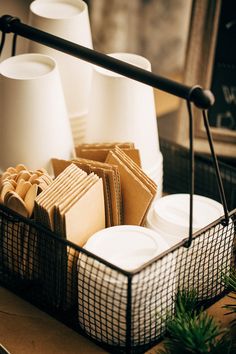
201 98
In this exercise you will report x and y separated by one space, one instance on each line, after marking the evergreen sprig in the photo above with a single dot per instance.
230 282
186 302
194 331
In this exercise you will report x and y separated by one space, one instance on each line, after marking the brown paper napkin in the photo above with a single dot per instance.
73 205
111 184
138 190
99 151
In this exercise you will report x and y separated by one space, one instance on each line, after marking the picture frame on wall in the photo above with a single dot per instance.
211 63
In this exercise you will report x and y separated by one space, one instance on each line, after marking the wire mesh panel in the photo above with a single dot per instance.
33 259
123 311
176 174
153 292
120 310
102 301
133 324
207 261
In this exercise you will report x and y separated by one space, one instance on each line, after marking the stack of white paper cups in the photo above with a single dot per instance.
122 109
69 20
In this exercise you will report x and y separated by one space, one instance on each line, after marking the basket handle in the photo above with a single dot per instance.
225 221
202 99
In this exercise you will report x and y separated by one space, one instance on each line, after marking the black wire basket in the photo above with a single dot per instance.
125 312
120 310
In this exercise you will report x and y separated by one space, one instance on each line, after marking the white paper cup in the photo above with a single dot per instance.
122 109
78 128
156 174
102 291
34 121
157 168
69 20
169 216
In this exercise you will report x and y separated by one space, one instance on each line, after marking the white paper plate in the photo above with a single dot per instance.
169 215
126 246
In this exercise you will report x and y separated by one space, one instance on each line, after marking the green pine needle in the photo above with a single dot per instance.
186 302
193 330
230 282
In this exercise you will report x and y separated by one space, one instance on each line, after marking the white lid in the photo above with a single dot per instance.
170 214
126 246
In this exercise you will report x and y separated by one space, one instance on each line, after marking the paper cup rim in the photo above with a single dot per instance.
5 66
35 5
137 60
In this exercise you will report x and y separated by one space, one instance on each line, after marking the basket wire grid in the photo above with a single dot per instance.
124 312
176 174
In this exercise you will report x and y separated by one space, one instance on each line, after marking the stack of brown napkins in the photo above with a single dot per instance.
99 151
137 189
128 191
111 184
73 205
